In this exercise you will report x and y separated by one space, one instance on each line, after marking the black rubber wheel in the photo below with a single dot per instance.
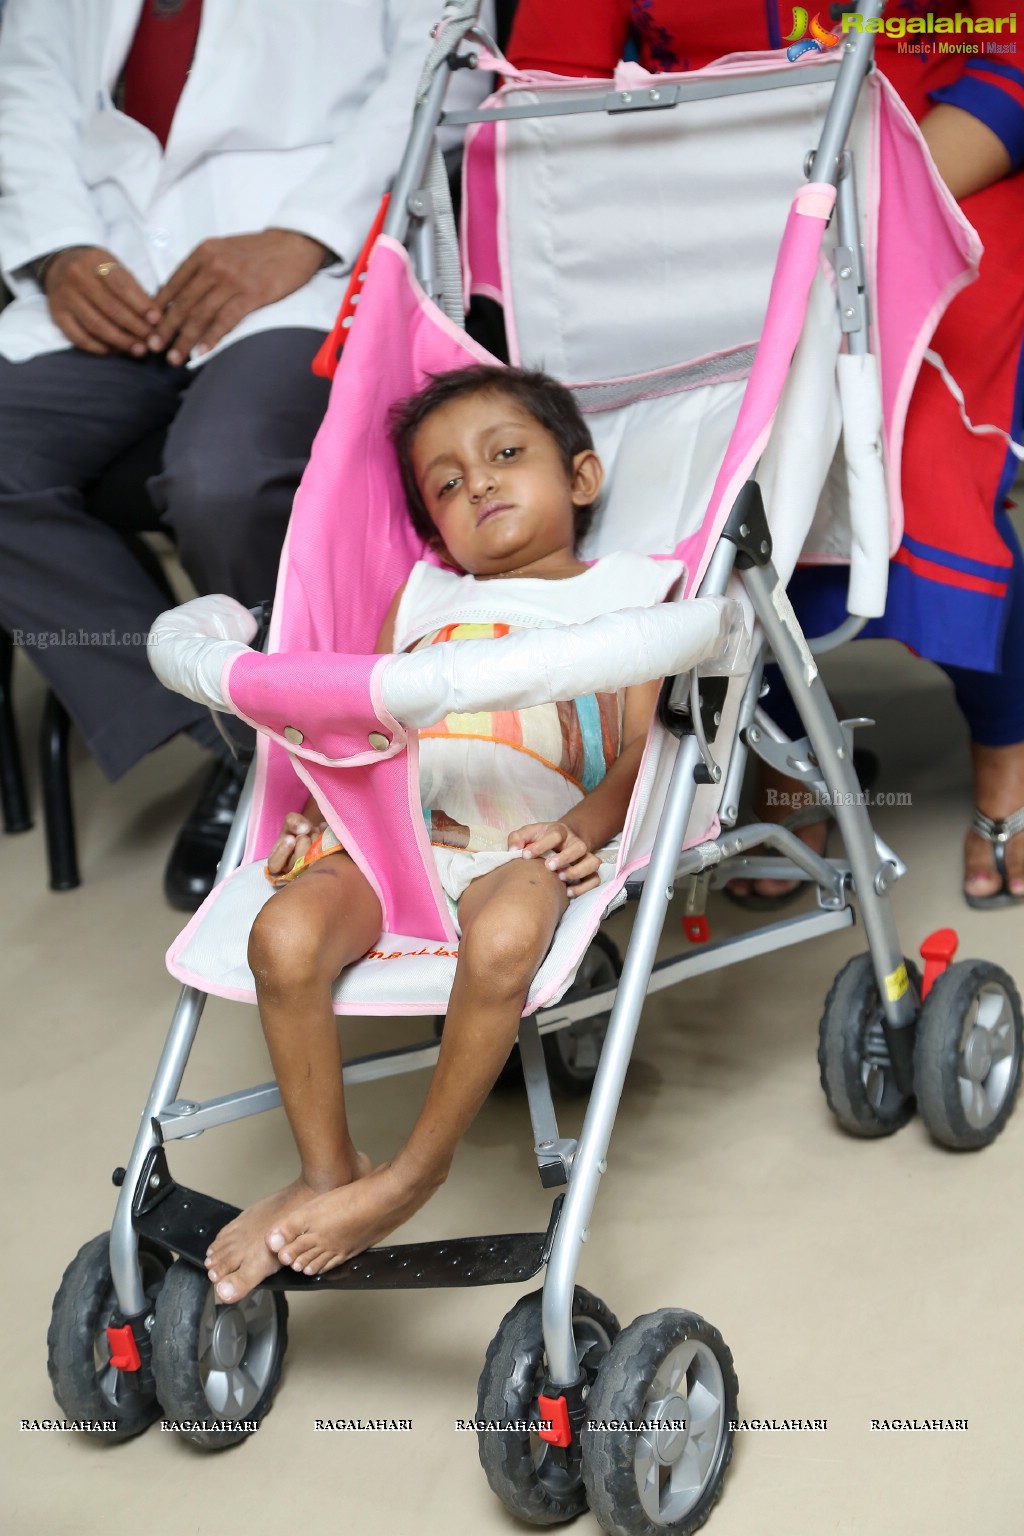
536 1481
216 1367
853 1058
669 1369
84 1382
572 1054
967 1056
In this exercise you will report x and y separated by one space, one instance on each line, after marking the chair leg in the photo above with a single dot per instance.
57 808
12 781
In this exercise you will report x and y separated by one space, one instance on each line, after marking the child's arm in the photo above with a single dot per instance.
568 845
300 827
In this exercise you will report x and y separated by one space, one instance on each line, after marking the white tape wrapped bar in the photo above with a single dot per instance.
861 396
540 666
191 645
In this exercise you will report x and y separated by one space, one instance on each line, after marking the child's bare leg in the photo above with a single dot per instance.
508 919
304 936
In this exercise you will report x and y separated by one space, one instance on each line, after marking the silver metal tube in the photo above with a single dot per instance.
124 1248
706 958
848 232
859 52
870 876
591 1154
572 1230
417 152
657 97
848 630
730 808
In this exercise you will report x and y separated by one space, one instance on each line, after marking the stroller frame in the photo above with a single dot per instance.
151 1206
167 1118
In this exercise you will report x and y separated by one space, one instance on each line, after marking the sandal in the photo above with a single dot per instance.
758 901
998 831
867 768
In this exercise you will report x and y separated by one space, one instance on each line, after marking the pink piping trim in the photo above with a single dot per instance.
197 917
816 200
486 291
437 316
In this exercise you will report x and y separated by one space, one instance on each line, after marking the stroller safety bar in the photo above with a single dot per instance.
194 650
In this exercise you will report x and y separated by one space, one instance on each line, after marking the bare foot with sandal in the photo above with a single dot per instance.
994 847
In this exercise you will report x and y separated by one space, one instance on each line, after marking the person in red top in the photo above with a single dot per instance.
956 590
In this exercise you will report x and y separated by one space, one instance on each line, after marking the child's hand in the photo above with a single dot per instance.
562 850
296 835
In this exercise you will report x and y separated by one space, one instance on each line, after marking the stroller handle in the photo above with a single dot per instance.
193 648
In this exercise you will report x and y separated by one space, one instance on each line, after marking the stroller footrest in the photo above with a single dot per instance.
187 1222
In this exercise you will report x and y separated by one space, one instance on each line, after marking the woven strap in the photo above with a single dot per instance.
998 829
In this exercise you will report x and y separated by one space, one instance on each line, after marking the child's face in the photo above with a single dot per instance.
495 486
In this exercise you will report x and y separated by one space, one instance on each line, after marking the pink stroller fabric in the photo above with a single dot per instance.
350 547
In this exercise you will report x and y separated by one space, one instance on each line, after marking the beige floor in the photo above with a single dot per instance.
852 1280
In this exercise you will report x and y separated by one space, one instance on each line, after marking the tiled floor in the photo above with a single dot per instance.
852 1280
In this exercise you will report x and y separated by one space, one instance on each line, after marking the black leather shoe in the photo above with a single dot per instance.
192 866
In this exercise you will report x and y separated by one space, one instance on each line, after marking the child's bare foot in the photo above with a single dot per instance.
238 1258
334 1227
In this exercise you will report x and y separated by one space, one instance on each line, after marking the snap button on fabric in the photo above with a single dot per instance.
293 735
378 741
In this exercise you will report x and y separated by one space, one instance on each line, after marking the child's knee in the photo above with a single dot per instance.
503 950
284 948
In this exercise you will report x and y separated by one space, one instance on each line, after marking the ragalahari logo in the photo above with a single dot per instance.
819 41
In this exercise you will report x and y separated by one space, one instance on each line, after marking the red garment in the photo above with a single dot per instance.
948 595
159 61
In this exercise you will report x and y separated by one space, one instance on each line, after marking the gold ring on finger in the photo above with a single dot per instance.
105 268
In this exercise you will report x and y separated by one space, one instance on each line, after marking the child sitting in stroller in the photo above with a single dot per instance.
501 479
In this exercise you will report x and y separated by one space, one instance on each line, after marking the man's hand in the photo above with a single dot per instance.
562 850
225 280
293 844
97 303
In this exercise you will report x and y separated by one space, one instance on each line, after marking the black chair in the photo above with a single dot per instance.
120 500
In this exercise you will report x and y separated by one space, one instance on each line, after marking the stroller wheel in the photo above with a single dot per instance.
572 1054
853 1058
216 1367
670 1376
541 1483
85 1383
967 1056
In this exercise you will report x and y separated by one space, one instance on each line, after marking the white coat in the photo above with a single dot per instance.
294 115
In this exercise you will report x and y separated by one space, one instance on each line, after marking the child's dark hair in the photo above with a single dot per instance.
547 401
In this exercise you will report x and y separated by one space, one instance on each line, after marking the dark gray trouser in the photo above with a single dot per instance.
241 428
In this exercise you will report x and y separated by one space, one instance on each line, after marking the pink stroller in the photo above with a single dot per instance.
748 415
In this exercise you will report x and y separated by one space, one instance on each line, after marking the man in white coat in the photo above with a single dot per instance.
183 187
